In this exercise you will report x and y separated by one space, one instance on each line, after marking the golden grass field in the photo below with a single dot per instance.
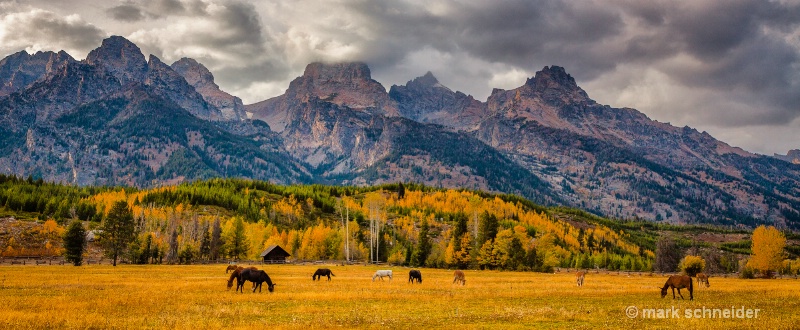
195 297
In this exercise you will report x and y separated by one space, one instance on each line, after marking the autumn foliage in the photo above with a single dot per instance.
238 219
768 255
691 265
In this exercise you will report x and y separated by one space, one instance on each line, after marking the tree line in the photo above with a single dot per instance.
401 223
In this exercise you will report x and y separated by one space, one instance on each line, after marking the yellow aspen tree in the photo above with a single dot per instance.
768 244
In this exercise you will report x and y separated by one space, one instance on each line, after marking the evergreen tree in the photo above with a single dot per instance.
216 240
205 245
146 251
117 230
74 243
459 230
487 227
135 250
460 225
423 246
238 245
155 254
516 254
401 191
532 260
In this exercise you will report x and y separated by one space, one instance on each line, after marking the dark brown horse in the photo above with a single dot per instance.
414 275
702 278
458 276
257 277
235 274
678 282
320 273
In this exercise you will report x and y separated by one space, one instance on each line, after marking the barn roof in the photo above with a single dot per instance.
275 248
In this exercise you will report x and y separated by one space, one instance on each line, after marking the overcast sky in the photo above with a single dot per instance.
729 67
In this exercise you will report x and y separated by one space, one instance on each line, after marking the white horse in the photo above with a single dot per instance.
381 274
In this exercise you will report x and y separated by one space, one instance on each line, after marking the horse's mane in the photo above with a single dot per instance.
236 273
266 277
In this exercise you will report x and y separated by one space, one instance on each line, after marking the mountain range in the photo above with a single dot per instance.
119 118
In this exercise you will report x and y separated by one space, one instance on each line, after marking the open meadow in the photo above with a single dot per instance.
183 297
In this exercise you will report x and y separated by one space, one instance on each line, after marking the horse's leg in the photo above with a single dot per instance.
679 293
673 292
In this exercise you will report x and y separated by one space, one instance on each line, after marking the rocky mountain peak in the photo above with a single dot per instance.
171 85
120 57
426 100
195 73
20 69
793 156
202 80
427 80
346 84
554 83
343 73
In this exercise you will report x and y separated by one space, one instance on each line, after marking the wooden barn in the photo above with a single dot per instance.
274 254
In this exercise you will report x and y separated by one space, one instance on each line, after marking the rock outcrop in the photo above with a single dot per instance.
425 100
202 80
19 70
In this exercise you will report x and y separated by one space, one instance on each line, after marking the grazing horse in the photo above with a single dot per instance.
458 276
235 274
231 267
678 282
257 277
320 273
415 275
579 277
381 273
702 278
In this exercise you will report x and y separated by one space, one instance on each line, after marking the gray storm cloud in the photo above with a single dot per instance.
726 66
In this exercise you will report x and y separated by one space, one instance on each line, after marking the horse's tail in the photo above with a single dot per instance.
332 274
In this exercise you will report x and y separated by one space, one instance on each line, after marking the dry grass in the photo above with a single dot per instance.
194 297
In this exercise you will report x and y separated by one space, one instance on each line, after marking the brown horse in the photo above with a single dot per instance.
458 276
678 282
235 274
702 278
257 277
579 277
231 267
